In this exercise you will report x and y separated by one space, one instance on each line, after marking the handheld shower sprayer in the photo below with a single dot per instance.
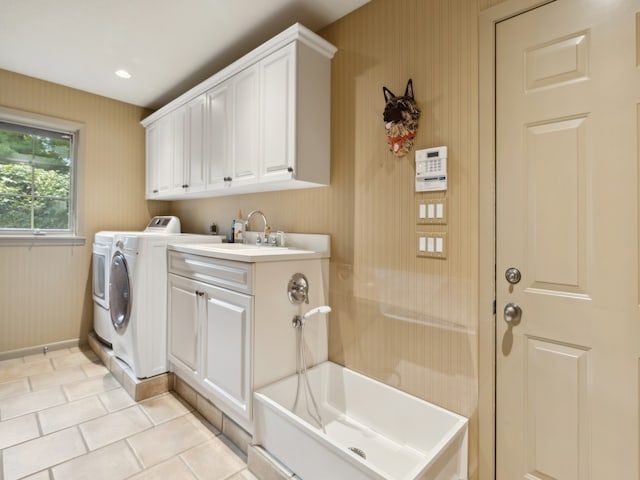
299 321
301 365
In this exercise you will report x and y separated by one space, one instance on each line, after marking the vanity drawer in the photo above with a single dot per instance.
237 276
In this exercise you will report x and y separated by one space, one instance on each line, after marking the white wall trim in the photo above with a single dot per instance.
50 347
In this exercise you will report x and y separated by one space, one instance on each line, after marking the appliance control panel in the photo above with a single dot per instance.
431 169
164 224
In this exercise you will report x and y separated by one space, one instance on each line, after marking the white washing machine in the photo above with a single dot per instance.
102 252
138 294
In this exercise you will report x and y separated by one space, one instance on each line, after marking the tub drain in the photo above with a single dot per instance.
358 452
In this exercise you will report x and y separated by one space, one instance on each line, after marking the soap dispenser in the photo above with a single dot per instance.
238 227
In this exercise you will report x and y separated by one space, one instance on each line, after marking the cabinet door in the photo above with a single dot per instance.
159 157
183 317
277 94
195 167
218 131
245 131
180 151
227 348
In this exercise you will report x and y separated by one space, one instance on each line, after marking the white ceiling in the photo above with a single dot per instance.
167 45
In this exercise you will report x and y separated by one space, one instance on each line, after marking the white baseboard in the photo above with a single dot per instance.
48 347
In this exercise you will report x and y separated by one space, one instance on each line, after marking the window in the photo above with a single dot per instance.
37 177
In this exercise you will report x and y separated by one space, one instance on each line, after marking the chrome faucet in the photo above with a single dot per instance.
267 228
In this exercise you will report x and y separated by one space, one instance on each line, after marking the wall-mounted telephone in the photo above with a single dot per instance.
431 169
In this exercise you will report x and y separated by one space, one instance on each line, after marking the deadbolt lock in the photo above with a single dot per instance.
512 275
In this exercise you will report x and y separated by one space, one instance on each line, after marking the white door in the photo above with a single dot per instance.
567 120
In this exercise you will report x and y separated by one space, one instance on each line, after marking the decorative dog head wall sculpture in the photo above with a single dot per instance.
401 116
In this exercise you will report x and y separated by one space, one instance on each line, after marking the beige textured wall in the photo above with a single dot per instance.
409 322
45 292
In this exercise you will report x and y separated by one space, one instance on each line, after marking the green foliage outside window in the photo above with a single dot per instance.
35 179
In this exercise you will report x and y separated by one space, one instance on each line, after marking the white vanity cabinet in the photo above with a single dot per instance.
229 325
210 326
264 123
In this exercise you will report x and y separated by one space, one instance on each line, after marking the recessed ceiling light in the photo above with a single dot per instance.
123 74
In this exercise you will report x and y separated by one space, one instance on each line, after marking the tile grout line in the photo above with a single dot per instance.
135 455
37 413
185 463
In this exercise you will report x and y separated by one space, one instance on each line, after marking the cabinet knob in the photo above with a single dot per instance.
290 169
155 191
185 186
199 293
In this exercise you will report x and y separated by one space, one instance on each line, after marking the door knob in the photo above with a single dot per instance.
512 313
512 275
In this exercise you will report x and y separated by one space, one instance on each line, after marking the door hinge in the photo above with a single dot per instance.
494 306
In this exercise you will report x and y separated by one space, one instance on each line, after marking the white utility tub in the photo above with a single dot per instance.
369 430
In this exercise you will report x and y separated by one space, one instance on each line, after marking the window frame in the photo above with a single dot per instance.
73 235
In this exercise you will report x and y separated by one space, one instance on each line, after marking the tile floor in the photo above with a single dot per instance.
64 416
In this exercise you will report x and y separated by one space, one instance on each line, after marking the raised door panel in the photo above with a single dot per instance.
217 132
159 157
152 132
180 150
227 349
277 99
245 134
183 322
195 167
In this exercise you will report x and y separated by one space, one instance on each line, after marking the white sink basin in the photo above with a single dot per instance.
243 246
244 252
300 246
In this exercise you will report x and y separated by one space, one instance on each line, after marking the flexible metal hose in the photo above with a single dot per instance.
301 367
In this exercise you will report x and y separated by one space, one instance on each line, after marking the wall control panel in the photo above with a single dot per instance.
431 169
432 244
431 211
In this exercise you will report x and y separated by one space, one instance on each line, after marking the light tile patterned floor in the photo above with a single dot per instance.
64 417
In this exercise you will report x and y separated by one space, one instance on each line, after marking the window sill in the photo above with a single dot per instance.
40 240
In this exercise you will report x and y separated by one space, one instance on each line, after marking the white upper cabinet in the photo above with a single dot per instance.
278 114
195 157
160 149
245 123
218 133
262 123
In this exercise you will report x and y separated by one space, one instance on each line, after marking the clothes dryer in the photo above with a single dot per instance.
101 258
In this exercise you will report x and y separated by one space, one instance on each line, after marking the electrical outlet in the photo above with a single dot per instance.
431 244
431 211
